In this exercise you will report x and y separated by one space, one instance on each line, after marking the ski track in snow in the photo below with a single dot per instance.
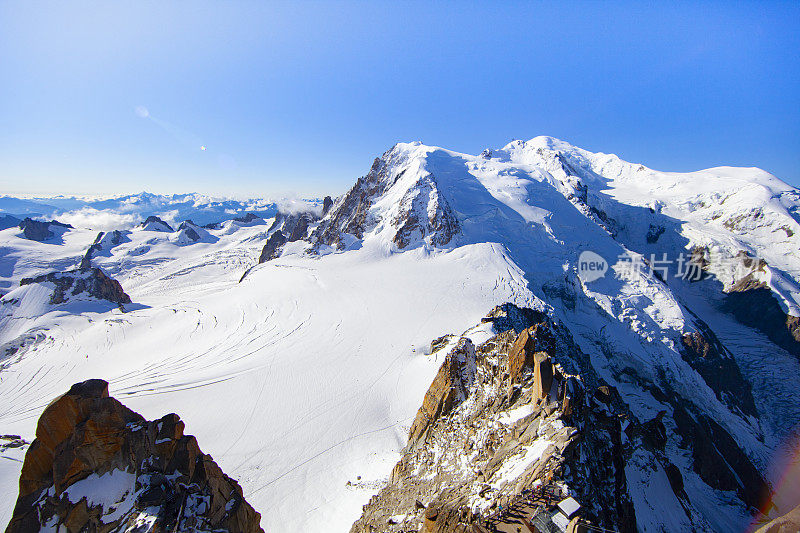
288 379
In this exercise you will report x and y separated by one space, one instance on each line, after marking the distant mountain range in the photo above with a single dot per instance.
133 208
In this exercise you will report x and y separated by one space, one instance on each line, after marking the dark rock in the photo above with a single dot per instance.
654 232
39 231
706 354
300 229
542 374
418 221
273 246
350 215
249 217
510 317
718 460
327 203
654 434
97 246
90 281
521 356
753 304
153 222
86 433
605 394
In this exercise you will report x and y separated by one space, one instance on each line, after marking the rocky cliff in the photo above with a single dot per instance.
97 466
520 422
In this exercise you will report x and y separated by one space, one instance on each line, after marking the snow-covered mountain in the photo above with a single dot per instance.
123 212
303 377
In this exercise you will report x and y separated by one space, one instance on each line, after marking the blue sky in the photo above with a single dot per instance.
299 98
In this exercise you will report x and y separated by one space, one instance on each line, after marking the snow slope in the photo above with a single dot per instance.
298 380
307 373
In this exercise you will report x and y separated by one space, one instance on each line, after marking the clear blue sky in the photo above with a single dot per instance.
300 97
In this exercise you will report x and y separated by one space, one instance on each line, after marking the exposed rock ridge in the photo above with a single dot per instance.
422 213
456 470
286 228
39 231
103 242
87 281
349 214
449 388
153 223
527 423
154 478
425 215
717 366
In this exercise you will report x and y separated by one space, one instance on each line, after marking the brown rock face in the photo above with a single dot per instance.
537 338
542 374
521 355
159 475
449 388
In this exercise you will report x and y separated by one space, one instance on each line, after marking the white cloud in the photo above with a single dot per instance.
142 111
297 205
101 220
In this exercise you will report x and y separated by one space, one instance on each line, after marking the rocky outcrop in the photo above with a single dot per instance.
190 233
103 242
717 458
40 231
153 223
190 230
273 246
293 226
349 215
91 282
449 388
248 218
286 228
542 375
95 465
425 215
706 354
327 203
469 461
299 229
521 357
